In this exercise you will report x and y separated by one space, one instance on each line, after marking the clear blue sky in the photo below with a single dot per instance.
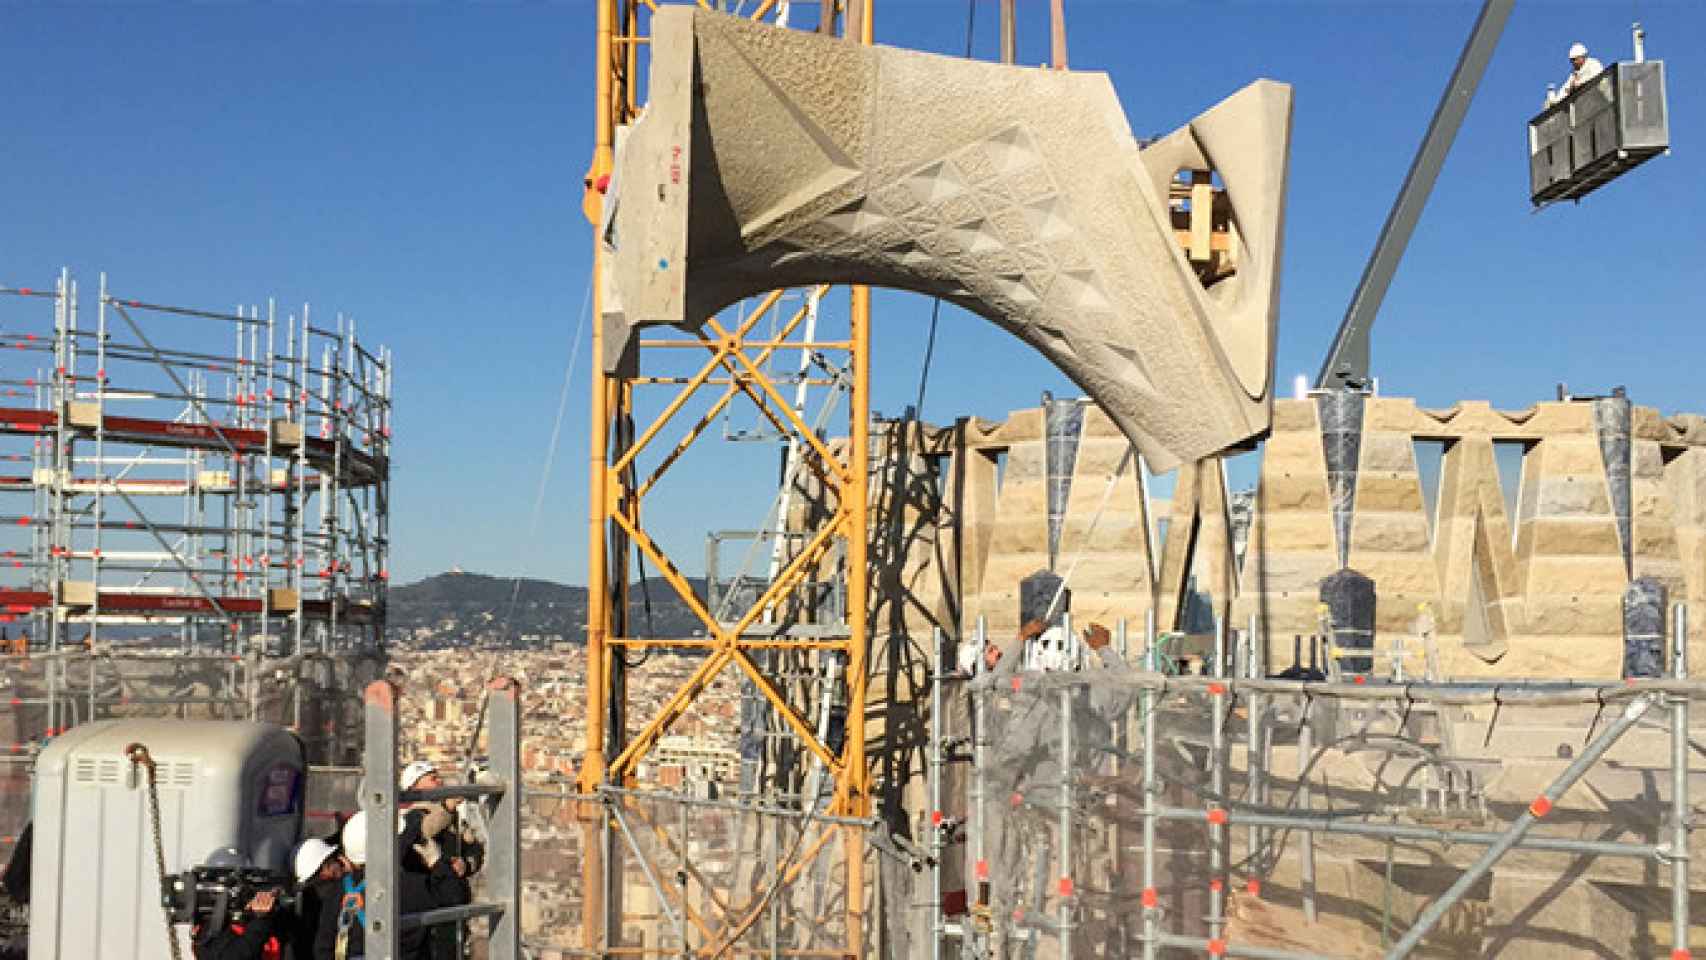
418 166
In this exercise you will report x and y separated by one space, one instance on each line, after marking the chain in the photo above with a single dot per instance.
139 756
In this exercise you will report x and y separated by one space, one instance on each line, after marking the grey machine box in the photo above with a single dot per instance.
1614 123
95 889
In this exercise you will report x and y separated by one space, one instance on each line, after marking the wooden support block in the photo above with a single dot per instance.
282 600
1202 216
83 414
286 435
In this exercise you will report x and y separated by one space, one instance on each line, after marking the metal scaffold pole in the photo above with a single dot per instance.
1217 789
1150 898
1679 807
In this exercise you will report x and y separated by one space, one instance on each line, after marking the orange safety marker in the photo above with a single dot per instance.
1066 886
1216 689
981 870
1151 899
1217 816
1253 886
1217 948
1215 886
1015 684
1541 806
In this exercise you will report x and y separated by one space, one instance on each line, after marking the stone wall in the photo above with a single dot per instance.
1501 529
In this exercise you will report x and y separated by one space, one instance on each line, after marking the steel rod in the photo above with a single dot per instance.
1198 944
1217 832
1066 801
1306 866
939 734
1679 808
1393 831
1150 897
646 868
1436 910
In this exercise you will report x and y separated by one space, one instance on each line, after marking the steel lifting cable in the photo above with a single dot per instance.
1095 519
139 757
551 446
538 508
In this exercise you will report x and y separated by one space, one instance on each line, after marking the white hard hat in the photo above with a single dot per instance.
310 856
226 857
354 838
413 773
1578 50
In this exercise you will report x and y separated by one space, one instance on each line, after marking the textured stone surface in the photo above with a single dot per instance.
1537 592
1350 600
1644 615
770 158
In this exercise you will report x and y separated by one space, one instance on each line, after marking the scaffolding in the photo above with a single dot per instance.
733 361
190 529
1115 808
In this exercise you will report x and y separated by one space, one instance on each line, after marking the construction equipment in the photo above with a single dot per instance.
123 805
1608 127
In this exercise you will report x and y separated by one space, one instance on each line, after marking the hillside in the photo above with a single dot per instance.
470 609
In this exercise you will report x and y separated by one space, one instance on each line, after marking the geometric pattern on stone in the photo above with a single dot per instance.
770 158
1551 605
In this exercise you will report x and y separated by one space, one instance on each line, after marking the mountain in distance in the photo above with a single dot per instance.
459 609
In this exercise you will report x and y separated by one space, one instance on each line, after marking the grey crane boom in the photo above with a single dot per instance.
1347 363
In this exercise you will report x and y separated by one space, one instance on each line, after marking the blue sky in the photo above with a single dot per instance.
418 166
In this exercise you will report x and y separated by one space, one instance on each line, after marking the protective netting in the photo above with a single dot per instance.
1267 801
1061 816
689 875
707 875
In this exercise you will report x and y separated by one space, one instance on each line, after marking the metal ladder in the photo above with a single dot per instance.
380 799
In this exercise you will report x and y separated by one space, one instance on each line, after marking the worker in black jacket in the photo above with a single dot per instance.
263 936
260 931
453 838
430 876
336 913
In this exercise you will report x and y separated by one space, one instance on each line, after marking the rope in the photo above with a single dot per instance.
1084 546
929 353
538 508
139 757
551 447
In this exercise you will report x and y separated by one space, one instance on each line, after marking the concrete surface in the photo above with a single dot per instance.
772 158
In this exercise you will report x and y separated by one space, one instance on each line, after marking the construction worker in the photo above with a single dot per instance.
1582 69
442 834
425 882
322 888
263 934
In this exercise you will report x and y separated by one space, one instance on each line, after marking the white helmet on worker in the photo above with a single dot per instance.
227 857
413 773
353 838
1578 50
310 856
